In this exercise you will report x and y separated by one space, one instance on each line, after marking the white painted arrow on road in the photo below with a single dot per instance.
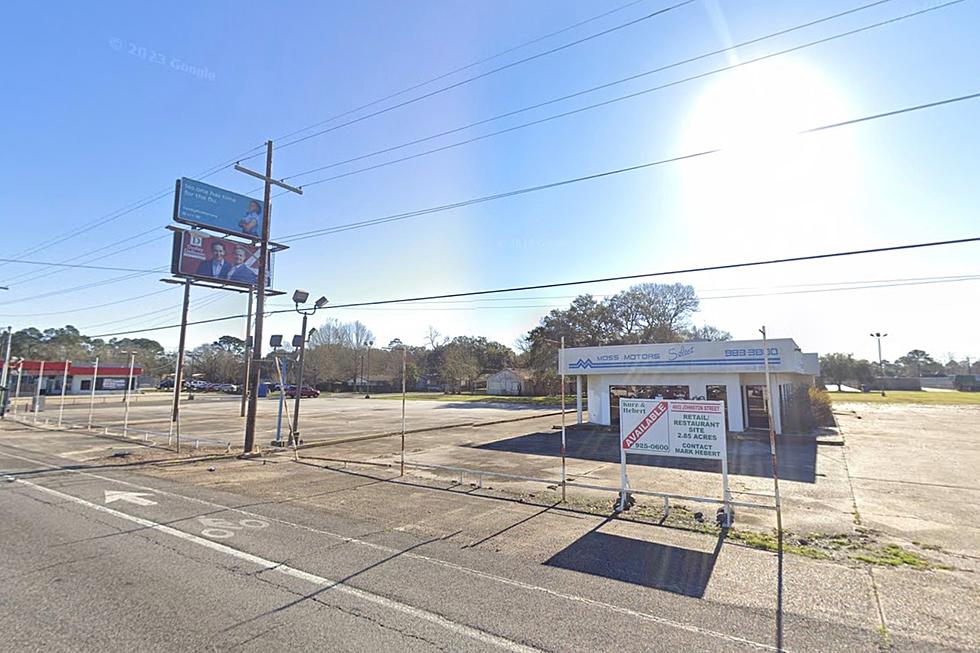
131 497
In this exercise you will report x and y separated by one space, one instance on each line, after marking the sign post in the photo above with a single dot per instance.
676 428
64 387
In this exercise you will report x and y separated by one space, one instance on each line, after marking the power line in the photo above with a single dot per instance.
248 154
74 266
617 82
487 73
462 68
91 255
629 277
94 306
599 175
86 286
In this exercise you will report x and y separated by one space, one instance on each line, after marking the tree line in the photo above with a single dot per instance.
345 355
839 368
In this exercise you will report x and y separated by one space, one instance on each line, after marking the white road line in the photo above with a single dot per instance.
602 605
270 565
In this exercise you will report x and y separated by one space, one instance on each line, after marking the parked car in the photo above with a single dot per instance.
229 388
166 384
306 391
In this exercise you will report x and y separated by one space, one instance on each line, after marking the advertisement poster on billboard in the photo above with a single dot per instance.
211 258
203 205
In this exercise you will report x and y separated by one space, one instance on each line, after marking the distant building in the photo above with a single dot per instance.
731 371
509 381
110 378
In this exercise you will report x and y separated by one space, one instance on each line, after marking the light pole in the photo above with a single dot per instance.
367 380
5 374
881 362
276 342
300 297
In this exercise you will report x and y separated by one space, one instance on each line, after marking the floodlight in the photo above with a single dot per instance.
275 341
298 341
320 303
300 296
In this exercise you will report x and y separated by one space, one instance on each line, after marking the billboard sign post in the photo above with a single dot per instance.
677 428
204 205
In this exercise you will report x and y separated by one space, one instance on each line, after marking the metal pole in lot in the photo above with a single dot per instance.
64 386
37 391
5 374
772 438
280 366
129 386
91 402
294 436
561 362
248 359
404 358
20 375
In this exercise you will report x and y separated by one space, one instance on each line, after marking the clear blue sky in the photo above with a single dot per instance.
98 114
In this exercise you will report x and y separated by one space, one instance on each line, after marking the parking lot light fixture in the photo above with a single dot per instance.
300 297
881 362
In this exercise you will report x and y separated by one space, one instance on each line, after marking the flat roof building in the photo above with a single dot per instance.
731 371
110 378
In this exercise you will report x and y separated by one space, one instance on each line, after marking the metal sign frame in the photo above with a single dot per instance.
650 425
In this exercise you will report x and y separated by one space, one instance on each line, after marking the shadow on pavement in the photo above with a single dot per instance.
659 566
746 456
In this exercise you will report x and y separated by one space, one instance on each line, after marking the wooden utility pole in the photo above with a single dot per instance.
260 290
248 358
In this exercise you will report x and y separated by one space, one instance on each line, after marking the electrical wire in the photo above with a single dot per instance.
94 306
86 286
248 154
629 277
617 82
484 74
74 266
463 68
599 175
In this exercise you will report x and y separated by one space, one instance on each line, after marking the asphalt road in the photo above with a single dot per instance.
108 559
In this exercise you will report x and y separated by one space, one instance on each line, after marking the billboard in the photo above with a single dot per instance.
211 258
673 427
203 205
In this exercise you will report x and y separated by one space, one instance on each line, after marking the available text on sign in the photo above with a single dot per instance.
664 427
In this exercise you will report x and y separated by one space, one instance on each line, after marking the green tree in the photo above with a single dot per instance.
837 368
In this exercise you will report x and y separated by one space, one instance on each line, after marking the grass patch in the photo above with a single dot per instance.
770 542
954 398
892 555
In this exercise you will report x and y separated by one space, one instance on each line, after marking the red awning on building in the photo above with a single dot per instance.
83 369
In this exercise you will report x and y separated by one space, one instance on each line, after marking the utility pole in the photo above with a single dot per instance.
248 359
881 361
179 372
772 443
367 381
256 369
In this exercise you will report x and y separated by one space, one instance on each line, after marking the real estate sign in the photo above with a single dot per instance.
664 427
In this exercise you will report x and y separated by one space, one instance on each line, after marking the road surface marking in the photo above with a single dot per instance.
129 497
270 565
602 605
222 529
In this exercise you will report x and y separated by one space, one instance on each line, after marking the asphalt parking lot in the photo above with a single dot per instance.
897 476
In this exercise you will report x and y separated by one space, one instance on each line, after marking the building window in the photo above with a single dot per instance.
86 385
616 392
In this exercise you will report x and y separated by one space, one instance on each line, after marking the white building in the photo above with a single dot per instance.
509 381
732 371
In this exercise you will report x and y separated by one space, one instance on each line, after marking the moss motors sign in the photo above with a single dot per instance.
660 427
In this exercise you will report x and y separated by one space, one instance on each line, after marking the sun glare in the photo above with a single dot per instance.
768 174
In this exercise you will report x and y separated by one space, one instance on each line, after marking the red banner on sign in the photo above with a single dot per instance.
658 411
